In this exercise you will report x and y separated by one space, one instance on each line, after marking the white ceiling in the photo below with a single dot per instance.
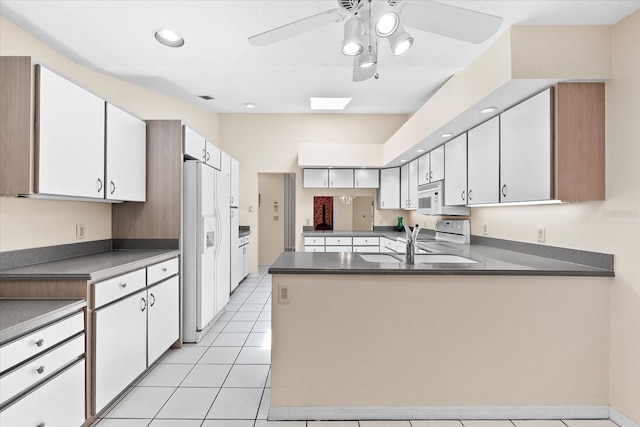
117 37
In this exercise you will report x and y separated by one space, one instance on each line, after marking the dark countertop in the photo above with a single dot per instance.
21 316
489 261
92 267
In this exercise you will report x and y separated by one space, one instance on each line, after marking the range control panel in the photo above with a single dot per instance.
453 230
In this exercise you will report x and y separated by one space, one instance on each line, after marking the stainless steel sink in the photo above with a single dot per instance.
379 258
442 258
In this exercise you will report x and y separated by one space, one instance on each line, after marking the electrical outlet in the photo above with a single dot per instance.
284 294
79 231
485 229
541 234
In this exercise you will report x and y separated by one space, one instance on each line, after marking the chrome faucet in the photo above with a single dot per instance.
411 243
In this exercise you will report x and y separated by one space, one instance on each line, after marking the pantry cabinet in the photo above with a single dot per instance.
455 171
389 191
525 150
483 151
70 124
126 148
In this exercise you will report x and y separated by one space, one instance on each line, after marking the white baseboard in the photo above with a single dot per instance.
620 419
441 413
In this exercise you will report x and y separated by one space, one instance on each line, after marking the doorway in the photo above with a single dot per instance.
276 215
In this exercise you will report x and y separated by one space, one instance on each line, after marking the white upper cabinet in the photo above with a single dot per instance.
194 145
340 178
315 178
69 138
409 185
235 183
367 178
436 164
389 191
126 148
455 171
525 150
212 155
424 169
225 163
483 148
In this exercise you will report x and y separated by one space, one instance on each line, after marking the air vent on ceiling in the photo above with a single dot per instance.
206 97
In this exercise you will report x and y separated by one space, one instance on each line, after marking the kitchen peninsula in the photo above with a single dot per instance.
510 335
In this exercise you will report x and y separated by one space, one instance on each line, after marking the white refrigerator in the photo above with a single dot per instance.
205 247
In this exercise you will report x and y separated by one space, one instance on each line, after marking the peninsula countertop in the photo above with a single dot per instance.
90 267
489 260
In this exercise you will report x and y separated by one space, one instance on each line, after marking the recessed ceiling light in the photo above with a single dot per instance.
168 38
206 97
420 150
488 110
330 167
446 135
329 103
403 161
249 105
363 167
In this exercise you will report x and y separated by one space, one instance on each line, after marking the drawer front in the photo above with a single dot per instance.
310 241
314 248
370 249
59 402
36 342
338 241
40 368
159 272
366 241
338 249
118 287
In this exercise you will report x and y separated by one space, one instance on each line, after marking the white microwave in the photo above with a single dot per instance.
431 201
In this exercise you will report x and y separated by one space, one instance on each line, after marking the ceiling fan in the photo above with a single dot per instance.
368 20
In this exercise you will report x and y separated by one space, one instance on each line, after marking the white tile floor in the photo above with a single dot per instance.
223 381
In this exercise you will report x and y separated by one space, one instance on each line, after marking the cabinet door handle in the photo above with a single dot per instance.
324 182
152 302
208 156
504 190
469 195
462 194
40 342
383 203
40 370
430 175
113 187
204 154
164 269
357 185
99 185
123 285
143 304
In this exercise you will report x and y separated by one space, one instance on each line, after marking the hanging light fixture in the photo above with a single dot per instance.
386 19
400 41
352 44
369 57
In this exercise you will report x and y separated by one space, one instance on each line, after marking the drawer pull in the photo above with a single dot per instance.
123 285
40 342
164 269
40 369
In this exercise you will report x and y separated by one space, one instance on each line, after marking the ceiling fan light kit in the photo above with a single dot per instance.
352 45
431 16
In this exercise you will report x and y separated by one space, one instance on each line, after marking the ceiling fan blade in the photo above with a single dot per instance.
298 27
450 21
361 74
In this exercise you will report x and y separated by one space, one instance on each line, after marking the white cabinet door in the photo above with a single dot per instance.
126 147
236 252
437 164
247 260
525 150
455 171
225 163
389 191
340 178
235 183
223 252
162 318
194 145
69 138
413 184
404 186
367 178
315 178
212 155
120 346
424 169
483 148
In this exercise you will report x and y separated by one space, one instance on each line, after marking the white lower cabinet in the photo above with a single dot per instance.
246 259
163 328
314 248
120 346
58 402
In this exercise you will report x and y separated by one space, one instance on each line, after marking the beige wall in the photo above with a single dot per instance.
34 223
269 143
270 231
